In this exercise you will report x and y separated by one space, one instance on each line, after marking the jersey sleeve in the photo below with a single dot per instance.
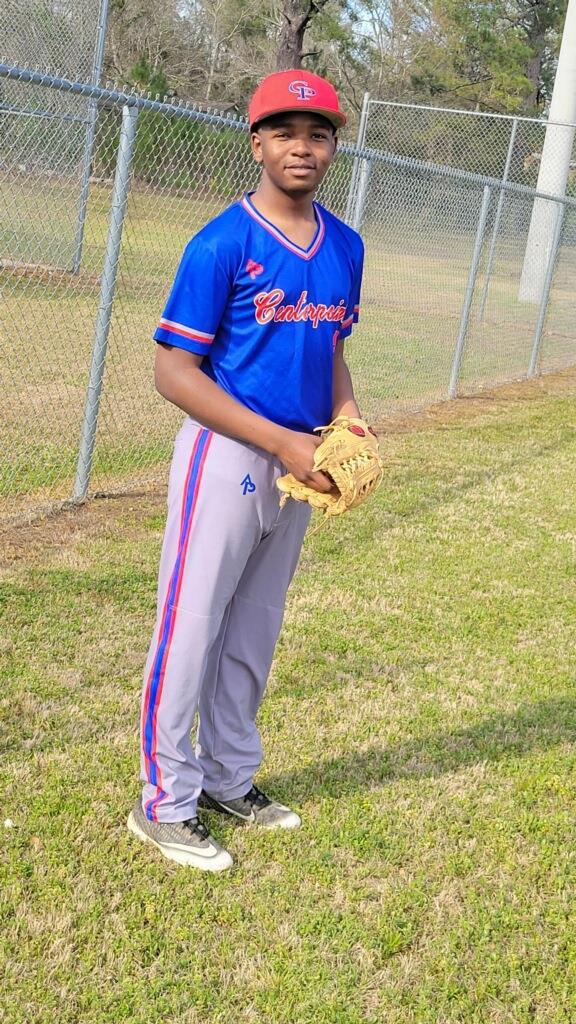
197 300
353 305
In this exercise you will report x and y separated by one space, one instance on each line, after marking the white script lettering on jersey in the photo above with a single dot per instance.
268 307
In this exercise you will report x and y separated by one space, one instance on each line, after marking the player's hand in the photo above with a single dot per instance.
297 453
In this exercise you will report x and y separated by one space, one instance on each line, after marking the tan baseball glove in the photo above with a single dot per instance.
349 456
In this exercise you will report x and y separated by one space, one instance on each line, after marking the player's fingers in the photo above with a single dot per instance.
320 482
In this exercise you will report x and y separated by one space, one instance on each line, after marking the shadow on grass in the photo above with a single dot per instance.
533 727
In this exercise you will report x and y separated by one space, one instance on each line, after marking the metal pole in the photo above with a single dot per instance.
15 73
497 219
351 201
536 344
363 182
90 136
107 290
469 295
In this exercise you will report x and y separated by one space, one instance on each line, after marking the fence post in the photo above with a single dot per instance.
363 182
469 294
536 344
351 200
107 289
497 220
90 136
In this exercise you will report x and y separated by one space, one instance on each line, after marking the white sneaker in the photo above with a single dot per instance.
186 842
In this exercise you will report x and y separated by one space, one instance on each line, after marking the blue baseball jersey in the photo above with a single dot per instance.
265 313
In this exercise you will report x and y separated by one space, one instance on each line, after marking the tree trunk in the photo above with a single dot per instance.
534 69
296 16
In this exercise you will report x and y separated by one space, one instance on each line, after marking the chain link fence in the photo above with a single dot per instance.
81 415
473 263
59 36
51 132
497 145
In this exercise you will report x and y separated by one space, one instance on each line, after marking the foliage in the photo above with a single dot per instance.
148 79
486 54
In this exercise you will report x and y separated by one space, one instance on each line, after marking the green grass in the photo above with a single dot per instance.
421 715
40 468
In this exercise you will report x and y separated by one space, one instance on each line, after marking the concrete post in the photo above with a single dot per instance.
537 343
554 165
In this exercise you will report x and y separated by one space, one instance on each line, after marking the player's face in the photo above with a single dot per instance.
295 149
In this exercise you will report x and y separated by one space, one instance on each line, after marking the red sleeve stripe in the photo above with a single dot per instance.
186 332
348 321
356 309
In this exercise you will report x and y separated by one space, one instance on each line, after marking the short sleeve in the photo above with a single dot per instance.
197 300
353 305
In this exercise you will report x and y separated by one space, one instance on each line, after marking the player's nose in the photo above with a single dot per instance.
300 145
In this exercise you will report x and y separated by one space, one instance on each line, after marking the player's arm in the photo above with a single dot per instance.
180 380
343 401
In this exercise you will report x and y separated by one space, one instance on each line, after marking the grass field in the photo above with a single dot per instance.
421 716
401 353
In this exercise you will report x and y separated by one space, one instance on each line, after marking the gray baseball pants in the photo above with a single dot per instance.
228 556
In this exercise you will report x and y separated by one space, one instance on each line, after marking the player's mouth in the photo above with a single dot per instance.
300 168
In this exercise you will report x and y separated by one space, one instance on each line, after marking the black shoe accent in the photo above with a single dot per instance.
197 826
256 798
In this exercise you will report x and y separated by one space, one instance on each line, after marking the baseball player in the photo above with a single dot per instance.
250 346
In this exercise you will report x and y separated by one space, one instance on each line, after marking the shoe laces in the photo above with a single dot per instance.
256 798
197 826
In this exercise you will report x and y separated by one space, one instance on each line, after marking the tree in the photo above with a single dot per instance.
539 23
296 15
505 49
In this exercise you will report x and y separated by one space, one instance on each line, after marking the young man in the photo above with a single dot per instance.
251 348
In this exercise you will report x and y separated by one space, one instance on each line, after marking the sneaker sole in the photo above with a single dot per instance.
219 862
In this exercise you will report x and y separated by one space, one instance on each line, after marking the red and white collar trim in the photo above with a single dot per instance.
305 254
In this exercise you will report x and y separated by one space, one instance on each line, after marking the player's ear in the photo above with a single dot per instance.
256 146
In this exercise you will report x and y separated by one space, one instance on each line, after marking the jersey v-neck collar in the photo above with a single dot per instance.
305 254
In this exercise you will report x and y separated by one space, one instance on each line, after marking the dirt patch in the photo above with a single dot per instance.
492 400
101 517
44 272
105 515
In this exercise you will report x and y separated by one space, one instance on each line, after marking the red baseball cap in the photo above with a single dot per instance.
295 90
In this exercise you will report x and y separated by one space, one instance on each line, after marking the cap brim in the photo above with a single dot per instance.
336 118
